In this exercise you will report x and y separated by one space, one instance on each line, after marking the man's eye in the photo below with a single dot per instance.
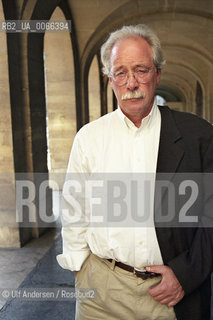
120 74
142 71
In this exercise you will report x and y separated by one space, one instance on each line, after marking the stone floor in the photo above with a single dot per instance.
16 264
34 268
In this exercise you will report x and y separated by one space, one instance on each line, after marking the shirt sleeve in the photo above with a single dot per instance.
73 211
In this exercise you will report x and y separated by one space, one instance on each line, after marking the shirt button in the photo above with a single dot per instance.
140 243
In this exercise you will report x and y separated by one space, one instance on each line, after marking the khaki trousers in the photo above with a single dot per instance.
119 294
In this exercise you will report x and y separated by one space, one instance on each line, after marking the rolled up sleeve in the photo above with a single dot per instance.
73 213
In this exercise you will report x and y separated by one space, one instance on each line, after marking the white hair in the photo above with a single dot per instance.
140 30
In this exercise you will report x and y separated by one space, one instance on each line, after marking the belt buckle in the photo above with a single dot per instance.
143 274
140 274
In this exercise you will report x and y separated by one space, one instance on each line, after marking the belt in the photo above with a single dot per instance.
139 273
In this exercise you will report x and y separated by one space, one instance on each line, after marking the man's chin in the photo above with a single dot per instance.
132 106
133 103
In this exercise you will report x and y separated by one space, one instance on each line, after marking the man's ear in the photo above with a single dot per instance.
111 83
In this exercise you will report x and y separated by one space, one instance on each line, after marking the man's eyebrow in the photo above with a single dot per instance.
119 68
140 65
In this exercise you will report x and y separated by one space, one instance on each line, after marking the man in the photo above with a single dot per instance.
143 272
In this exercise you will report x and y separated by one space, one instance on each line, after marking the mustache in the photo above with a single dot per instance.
133 95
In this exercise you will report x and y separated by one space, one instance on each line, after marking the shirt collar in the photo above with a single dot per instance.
146 122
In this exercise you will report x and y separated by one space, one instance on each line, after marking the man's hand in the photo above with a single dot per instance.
168 291
75 273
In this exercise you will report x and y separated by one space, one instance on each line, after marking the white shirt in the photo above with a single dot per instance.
113 144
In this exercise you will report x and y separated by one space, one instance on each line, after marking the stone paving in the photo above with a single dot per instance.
48 276
17 263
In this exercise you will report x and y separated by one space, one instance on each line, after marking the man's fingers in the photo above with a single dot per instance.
163 299
157 290
172 303
156 269
169 290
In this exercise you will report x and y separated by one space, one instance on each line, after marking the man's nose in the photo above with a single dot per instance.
132 82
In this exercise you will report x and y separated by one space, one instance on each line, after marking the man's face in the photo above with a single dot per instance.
128 56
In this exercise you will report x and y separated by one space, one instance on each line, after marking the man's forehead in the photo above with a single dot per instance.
134 50
129 41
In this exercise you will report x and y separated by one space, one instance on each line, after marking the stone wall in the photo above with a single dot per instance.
60 96
9 232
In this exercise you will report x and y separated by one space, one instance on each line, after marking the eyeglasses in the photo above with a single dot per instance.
141 75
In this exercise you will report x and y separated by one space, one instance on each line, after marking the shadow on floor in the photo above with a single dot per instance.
46 274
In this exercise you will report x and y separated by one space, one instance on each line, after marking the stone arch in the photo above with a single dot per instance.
9 228
168 94
94 90
27 92
199 100
36 70
37 95
194 17
60 97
